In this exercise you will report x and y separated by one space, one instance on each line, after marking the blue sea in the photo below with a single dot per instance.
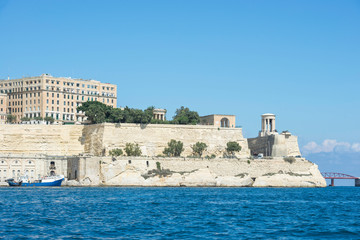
180 213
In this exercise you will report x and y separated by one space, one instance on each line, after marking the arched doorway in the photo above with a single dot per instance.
225 123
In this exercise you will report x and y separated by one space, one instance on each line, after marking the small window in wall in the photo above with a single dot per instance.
129 161
147 163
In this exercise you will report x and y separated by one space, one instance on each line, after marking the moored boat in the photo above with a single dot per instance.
51 181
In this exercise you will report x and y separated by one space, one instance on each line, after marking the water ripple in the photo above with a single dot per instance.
180 213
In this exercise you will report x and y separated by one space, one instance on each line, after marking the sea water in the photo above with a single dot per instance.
180 213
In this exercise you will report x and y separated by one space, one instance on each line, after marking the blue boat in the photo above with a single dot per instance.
51 181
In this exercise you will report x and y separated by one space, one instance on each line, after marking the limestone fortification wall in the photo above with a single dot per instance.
275 145
153 138
98 139
146 171
44 139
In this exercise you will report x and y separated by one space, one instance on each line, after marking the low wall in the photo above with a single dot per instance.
142 171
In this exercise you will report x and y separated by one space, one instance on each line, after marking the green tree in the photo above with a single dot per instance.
232 147
96 112
38 118
116 115
174 149
185 116
132 149
49 119
10 118
116 152
198 148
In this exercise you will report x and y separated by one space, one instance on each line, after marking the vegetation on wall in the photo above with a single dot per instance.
10 118
116 152
132 149
49 119
98 112
233 147
25 119
185 116
290 159
174 149
198 148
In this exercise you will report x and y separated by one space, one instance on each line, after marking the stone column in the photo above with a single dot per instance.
273 125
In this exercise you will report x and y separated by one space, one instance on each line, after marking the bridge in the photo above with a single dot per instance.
334 175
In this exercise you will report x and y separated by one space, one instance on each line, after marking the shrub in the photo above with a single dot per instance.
49 119
158 166
248 161
132 149
211 157
174 149
38 118
25 119
198 148
232 147
290 159
10 118
116 152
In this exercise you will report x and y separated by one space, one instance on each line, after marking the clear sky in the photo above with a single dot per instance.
297 59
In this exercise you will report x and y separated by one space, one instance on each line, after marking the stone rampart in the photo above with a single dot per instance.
153 138
275 145
44 139
98 139
147 171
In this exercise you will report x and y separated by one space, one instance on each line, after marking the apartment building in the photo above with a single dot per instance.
3 107
57 97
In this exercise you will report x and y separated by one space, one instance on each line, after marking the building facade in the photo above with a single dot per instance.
3 107
33 166
159 114
57 97
218 120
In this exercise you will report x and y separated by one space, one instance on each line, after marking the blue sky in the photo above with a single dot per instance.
297 59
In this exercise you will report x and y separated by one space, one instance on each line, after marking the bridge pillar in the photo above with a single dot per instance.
332 182
357 182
